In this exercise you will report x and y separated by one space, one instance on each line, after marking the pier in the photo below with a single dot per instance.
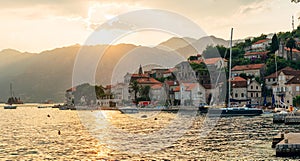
287 145
279 118
292 120
286 118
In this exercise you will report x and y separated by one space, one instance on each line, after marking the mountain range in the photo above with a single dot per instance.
37 77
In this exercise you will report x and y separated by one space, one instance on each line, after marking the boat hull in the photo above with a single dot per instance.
126 110
227 112
10 107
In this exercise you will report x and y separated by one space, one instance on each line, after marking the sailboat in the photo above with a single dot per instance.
12 100
233 111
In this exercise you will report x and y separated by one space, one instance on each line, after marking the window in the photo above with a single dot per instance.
236 95
242 94
251 87
297 88
251 94
274 79
256 87
256 94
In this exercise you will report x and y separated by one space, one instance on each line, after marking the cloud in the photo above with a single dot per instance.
255 7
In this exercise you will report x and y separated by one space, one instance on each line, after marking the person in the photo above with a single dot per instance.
291 108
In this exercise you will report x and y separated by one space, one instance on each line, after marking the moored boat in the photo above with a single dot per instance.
128 110
239 111
10 107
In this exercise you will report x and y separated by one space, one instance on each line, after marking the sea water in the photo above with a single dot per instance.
31 133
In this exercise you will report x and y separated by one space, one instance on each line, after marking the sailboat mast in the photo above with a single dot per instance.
10 87
229 81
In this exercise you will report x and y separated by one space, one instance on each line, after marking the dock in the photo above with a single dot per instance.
287 145
292 120
286 118
279 118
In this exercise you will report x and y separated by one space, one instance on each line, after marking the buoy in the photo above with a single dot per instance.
48 115
58 132
155 118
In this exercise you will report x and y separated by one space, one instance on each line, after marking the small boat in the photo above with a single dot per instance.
12 99
239 111
10 107
128 110
43 106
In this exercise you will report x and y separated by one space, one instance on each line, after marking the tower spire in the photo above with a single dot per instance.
141 70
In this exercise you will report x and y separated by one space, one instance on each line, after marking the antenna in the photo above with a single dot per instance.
293 25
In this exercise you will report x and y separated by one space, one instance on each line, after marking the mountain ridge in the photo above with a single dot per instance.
46 75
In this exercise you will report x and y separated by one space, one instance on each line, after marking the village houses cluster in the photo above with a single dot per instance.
181 85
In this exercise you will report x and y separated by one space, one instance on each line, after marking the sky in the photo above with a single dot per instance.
37 25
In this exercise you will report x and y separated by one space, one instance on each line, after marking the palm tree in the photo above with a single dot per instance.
291 44
135 88
144 91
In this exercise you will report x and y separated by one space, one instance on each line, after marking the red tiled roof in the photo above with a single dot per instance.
108 87
176 89
293 50
274 75
73 89
208 61
211 61
139 75
171 83
171 70
157 86
238 82
190 86
261 41
294 80
238 79
248 67
147 81
257 53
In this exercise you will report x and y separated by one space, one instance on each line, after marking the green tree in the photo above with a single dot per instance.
274 44
135 88
144 91
261 37
193 57
296 101
99 92
248 42
215 51
291 44
85 91
283 36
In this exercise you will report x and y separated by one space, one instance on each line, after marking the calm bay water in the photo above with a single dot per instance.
29 133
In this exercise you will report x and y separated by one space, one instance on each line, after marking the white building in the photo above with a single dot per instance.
261 45
192 94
